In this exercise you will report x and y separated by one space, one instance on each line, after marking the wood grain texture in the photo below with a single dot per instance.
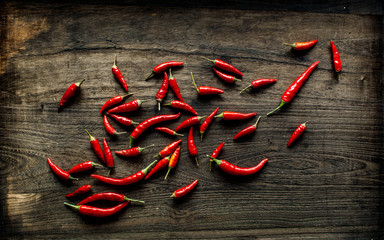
328 185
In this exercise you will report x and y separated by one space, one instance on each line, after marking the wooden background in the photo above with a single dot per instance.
328 185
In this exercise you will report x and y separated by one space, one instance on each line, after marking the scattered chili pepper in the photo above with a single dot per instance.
168 149
108 156
160 165
168 131
259 83
132 152
248 130
181 105
162 91
163 66
97 212
96 147
174 86
83 167
122 120
223 65
191 146
227 115
60 172
336 59
79 191
226 77
184 190
118 76
108 127
215 154
189 122
297 133
128 107
299 46
207 122
205 90
238 171
173 160
292 90
69 93
108 196
134 178
113 101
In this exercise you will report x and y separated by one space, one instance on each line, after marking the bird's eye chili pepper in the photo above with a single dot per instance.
63 175
299 46
162 91
96 147
292 90
128 107
181 105
149 123
174 86
163 66
113 101
118 76
122 120
207 122
297 133
223 65
132 152
108 196
168 131
168 149
259 83
108 156
191 146
79 191
160 165
184 190
108 127
134 178
246 131
227 115
69 93
97 212
173 160
215 154
336 59
189 122
206 90
83 167
238 171
226 77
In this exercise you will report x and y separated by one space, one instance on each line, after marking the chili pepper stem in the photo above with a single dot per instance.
150 75
201 135
142 148
246 88
173 195
289 44
127 95
96 164
133 200
76 207
257 122
220 115
166 175
217 161
109 172
72 178
197 161
145 170
114 61
212 61
90 136
131 139
158 104
280 106
338 76
194 84
78 84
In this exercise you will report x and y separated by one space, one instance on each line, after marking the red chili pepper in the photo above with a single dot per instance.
259 83
108 155
113 101
168 131
69 93
238 171
173 160
226 77
299 46
98 212
118 76
148 123
174 86
184 190
336 59
132 152
227 115
205 90
162 91
163 66
189 122
297 133
128 107
134 178
160 165
292 90
108 127
60 172
168 149
182 105
83 167
96 147
79 191
191 146
108 196
122 120
223 65
207 122
246 131
215 154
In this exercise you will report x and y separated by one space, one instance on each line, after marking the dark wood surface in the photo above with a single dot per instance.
328 185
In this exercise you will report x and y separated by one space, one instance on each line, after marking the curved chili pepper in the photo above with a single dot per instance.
148 123
297 133
60 172
113 101
83 167
189 122
292 90
223 65
238 171
336 59
168 149
118 76
69 93
174 86
191 146
162 91
163 66
184 190
173 160
132 152
226 77
108 196
128 107
168 131
160 165
108 156
79 191
108 127
207 122
205 90
134 178
299 46
98 212
182 105
227 115
122 120
215 154
96 147
259 83
248 130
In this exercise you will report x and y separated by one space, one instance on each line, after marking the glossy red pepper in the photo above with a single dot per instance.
226 77
163 66
162 91
168 131
108 127
108 155
182 105
83 167
160 165
259 83
246 131
79 191
292 90
297 133
215 154
63 175
69 93
189 122
174 86
118 76
207 122
113 101
223 65
122 120
128 107
132 152
97 212
168 149
300 46
173 160
206 90
336 60
191 146
96 147
227 115
238 171
108 196
184 190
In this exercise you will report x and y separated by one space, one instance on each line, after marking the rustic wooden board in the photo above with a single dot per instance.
329 185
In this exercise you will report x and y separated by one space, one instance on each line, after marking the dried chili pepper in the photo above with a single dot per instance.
207 122
118 76
168 131
223 65
97 212
108 127
163 66
79 191
69 93
292 90
128 107
238 171
122 120
227 115
173 160
181 105
205 90
108 196
108 156
259 83
336 59
226 77
132 152
184 190
248 130
168 149
189 122
299 46
113 101
162 91
96 147
297 133
160 165
174 86
215 154
60 172
83 167
191 146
